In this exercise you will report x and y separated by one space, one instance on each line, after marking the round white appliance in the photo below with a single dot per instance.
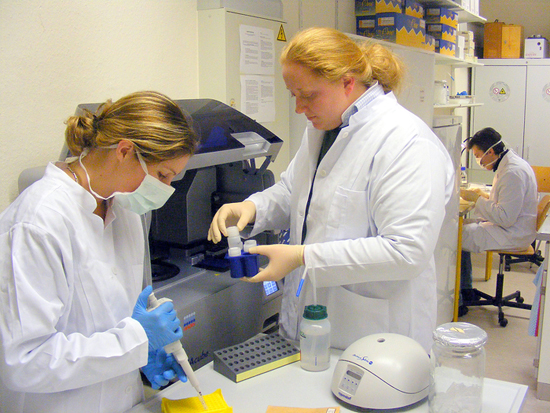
382 371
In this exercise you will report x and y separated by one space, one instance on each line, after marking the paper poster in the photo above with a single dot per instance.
258 97
257 50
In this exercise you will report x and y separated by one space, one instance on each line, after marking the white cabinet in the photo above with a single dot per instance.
536 142
220 73
516 102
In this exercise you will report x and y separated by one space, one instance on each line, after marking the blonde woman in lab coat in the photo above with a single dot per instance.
364 197
74 330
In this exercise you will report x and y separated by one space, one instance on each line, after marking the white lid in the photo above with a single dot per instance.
234 242
463 335
249 244
233 232
234 252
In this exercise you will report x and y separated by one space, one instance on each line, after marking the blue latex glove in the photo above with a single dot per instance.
161 368
161 325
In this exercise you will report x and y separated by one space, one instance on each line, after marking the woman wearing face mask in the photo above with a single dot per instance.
364 197
506 217
74 330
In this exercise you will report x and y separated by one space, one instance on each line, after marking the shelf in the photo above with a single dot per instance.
441 59
464 16
457 105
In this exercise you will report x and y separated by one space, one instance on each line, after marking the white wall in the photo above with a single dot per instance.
57 54
300 14
533 15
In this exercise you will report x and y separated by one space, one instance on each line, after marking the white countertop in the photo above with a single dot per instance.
543 343
294 387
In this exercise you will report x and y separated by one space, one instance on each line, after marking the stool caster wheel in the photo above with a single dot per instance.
502 321
520 300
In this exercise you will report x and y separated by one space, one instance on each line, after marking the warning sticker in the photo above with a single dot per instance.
546 92
281 36
499 91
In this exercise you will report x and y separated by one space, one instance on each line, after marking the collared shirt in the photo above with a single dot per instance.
330 136
367 97
497 163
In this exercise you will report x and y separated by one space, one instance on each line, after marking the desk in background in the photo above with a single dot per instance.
463 209
543 373
294 387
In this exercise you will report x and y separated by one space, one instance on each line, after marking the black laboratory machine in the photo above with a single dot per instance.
216 311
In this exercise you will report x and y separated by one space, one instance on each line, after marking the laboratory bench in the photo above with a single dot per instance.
543 343
292 386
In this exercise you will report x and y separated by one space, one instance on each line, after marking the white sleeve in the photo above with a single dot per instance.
504 206
35 355
273 204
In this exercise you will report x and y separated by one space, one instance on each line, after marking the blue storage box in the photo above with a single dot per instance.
366 26
413 8
401 29
441 31
365 8
441 15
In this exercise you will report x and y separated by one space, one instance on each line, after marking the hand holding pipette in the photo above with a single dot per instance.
178 352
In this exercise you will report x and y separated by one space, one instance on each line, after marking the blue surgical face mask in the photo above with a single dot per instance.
150 194
478 160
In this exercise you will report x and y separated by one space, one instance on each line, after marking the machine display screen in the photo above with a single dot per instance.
270 287
353 375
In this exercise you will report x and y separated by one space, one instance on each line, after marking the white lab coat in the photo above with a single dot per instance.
377 207
508 218
68 285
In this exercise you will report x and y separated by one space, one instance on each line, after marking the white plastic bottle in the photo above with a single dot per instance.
463 177
234 238
315 338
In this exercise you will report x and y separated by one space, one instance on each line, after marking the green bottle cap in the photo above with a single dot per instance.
315 312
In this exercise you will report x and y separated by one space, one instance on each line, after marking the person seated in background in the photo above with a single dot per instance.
506 217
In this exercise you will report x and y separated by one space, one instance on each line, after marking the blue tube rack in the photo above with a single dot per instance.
244 265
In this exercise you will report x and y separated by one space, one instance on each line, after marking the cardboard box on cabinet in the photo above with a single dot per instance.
401 29
366 26
429 43
503 41
442 31
389 6
365 8
445 47
413 8
441 15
